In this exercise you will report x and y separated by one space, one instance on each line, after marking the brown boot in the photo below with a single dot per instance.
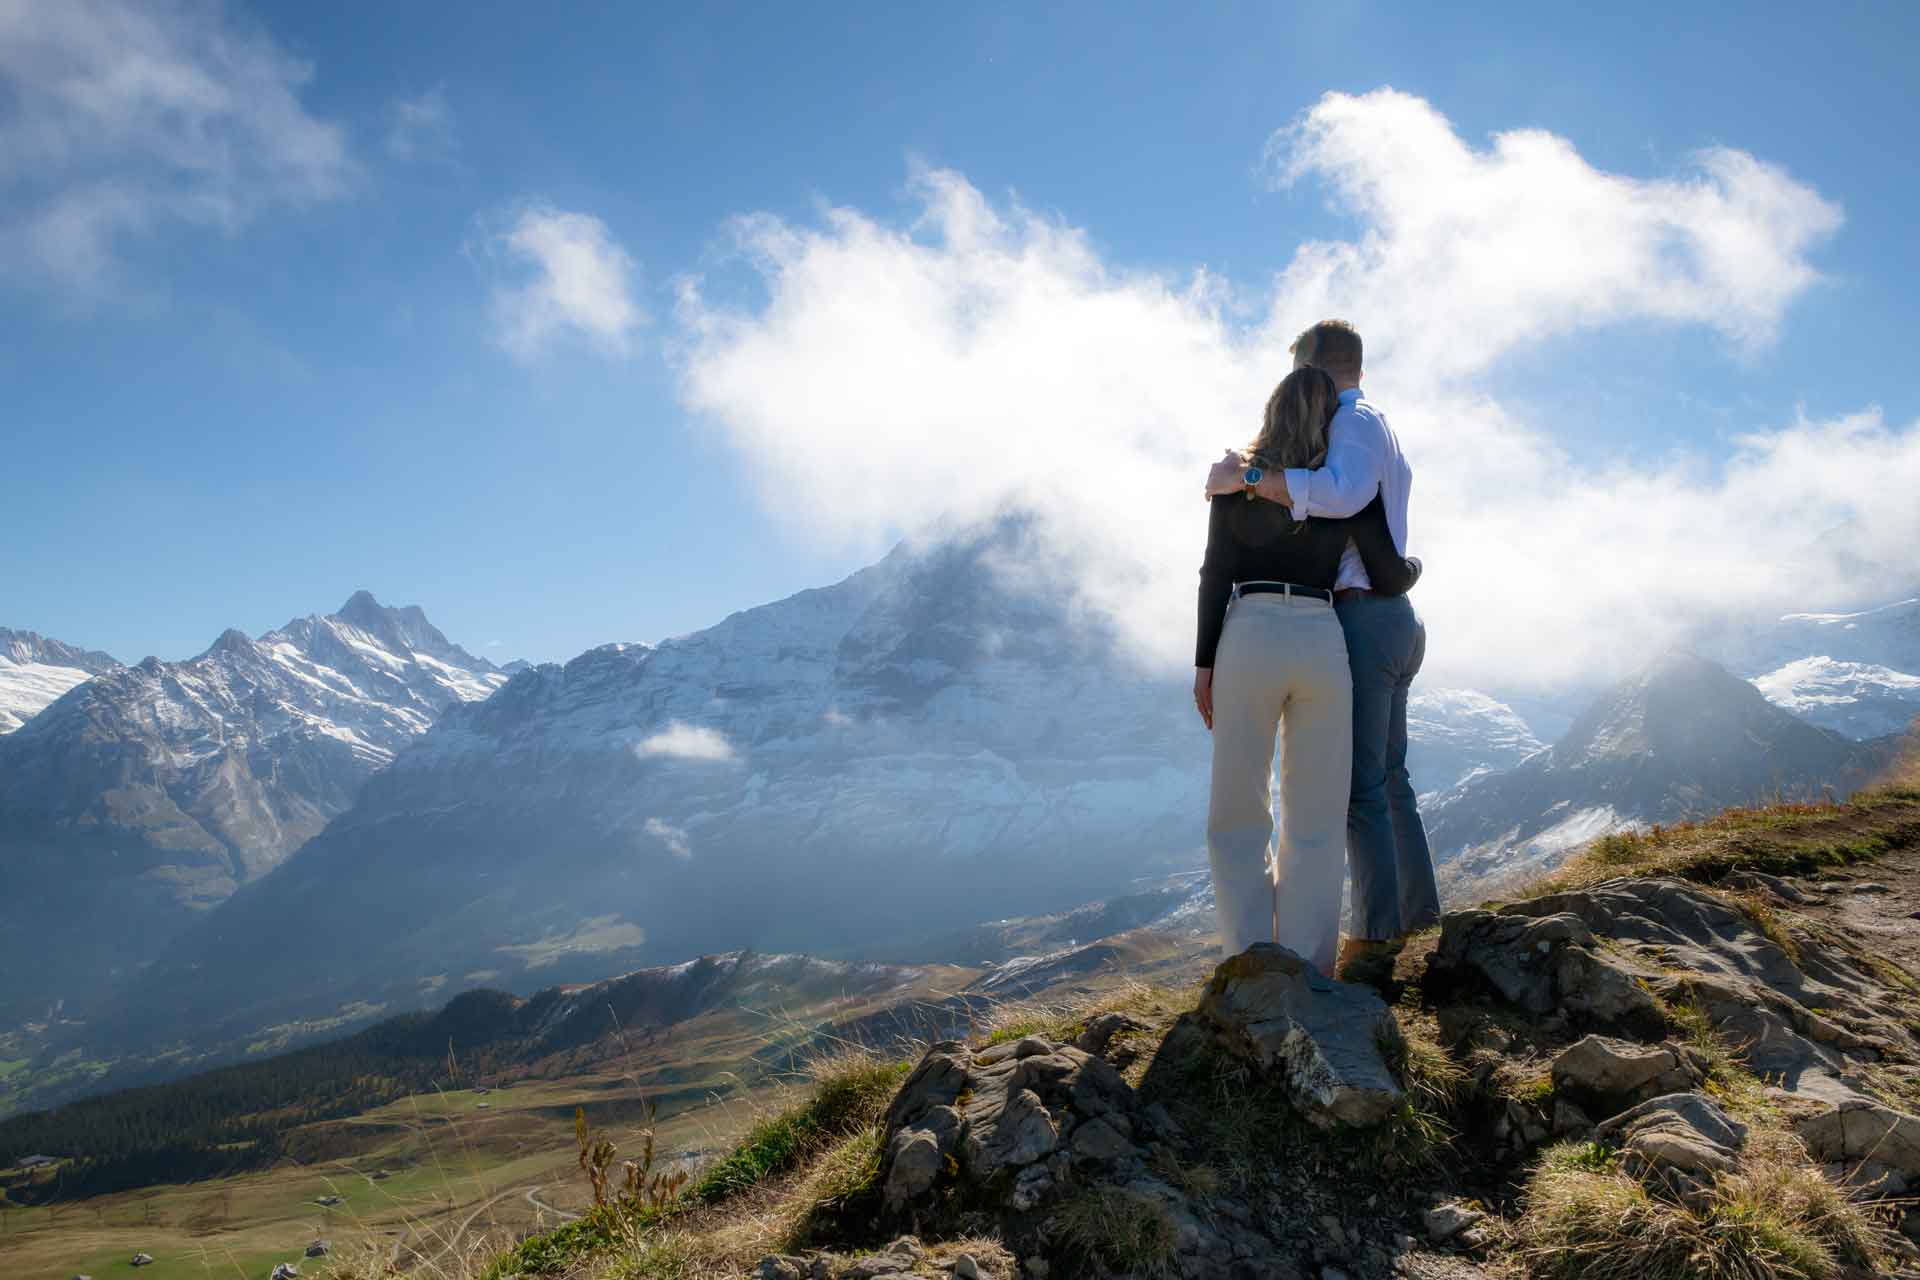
1365 959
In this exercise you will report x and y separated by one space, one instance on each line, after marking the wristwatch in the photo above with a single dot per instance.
1252 478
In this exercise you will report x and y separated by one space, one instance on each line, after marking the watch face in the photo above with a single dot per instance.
1254 474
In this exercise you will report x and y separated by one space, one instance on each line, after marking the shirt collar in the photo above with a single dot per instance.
1349 395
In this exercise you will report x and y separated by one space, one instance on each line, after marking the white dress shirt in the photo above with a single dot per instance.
1363 458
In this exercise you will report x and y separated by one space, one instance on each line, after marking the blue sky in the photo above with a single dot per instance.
236 417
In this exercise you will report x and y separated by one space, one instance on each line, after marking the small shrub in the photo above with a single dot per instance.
1118 1232
1777 1219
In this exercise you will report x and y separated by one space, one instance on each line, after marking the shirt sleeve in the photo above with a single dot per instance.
1388 572
1216 581
1356 456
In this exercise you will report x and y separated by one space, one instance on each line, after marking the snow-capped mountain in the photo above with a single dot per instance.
1858 699
151 792
922 744
1682 738
36 669
1857 673
917 745
1460 733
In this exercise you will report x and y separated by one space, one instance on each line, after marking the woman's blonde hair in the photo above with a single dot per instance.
1294 431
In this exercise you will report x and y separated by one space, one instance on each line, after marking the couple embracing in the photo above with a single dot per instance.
1305 629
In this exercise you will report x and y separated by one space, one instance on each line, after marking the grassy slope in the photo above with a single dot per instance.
1779 1207
456 1159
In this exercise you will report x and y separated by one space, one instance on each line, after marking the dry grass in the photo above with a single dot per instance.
1065 1017
1776 1218
1117 1232
803 1162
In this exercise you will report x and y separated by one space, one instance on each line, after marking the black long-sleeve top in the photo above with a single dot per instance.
1258 541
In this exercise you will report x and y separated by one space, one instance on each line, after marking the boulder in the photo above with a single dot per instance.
142 1260
897 1259
1609 1074
989 1142
1864 1130
1445 1221
319 1248
1676 1143
1098 1034
1323 1039
285 1271
782 1267
1545 964
1027 1110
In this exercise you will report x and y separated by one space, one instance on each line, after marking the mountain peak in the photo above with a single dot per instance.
362 609
232 640
403 629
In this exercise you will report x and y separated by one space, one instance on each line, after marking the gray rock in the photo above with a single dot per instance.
1785 890
1676 1143
285 1271
320 1248
1099 1140
142 1260
1021 1103
891 1261
1864 1130
782 1267
1322 1038
1445 1221
1618 1072
965 1268
1099 1033
1544 961
1569 1119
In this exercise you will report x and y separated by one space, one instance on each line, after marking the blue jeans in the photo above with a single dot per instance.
1387 855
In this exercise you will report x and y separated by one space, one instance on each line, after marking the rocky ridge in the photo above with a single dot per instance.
1682 738
147 794
1712 1042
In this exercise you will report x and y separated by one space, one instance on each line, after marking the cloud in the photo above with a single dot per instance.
125 118
580 284
675 838
1525 240
422 128
983 354
683 741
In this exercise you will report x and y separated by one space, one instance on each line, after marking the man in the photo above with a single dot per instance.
1393 883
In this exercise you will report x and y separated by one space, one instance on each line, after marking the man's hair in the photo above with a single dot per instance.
1333 345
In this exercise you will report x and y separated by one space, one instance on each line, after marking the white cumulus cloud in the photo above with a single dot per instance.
123 118
983 354
678 843
683 741
574 280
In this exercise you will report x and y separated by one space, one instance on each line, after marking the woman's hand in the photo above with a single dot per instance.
1203 694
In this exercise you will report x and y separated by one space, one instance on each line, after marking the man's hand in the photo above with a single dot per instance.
1203 694
1229 475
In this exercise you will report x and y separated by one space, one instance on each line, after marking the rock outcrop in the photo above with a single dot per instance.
1325 1039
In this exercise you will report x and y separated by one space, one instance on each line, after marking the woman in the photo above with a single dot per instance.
1271 655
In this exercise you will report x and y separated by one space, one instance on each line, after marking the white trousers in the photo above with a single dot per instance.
1282 664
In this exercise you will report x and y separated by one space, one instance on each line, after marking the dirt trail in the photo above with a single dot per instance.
1876 903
